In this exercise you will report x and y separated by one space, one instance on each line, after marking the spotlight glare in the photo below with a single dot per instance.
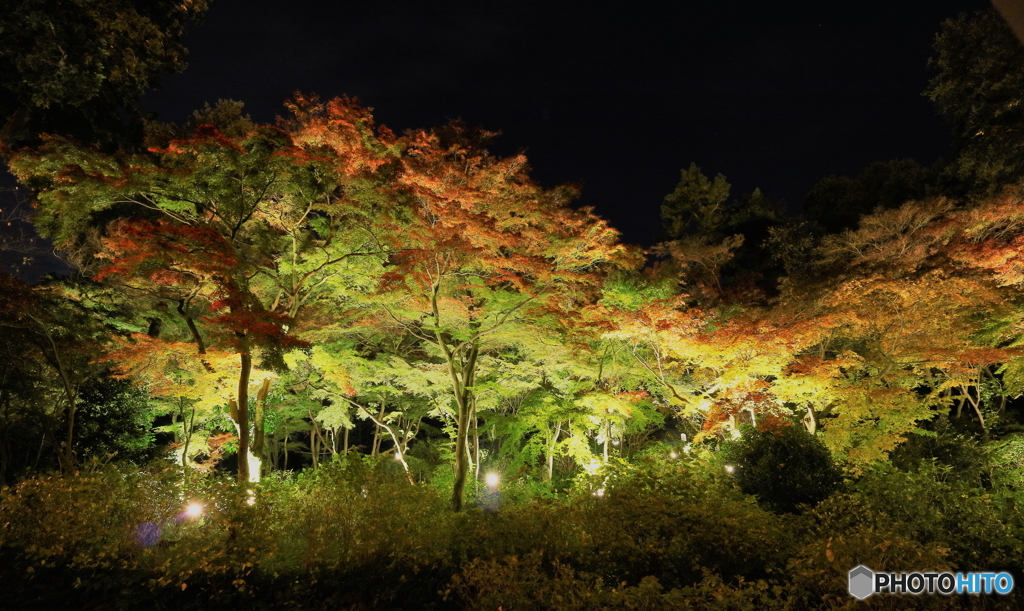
730 468
492 480
194 510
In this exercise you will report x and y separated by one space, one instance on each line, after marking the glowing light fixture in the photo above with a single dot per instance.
492 480
193 510
729 468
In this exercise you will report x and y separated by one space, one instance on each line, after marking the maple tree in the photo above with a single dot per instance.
237 218
488 257
897 326
325 272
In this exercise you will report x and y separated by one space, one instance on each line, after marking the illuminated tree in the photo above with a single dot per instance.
488 260
894 326
236 220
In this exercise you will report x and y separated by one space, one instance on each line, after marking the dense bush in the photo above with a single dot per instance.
355 534
783 468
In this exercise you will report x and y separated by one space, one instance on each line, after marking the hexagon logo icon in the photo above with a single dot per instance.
861 581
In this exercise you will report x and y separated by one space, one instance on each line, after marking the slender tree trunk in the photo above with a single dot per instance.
377 429
67 457
607 436
317 440
461 457
399 444
187 425
192 329
314 451
463 399
255 456
243 410
811 420
551 452
345 442
476 440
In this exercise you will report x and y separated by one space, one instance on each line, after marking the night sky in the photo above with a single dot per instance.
618 98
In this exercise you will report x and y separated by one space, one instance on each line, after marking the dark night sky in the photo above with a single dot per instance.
618 97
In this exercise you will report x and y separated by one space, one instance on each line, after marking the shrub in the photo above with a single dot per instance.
784 469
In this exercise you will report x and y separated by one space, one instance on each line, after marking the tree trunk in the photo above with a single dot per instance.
461 457
463 400
811 420
66 458
607 436
255 457
551 453
186 425
243 411
314 451
377 428
476 440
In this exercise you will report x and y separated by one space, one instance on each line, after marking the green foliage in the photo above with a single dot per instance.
696 204
784 469
663 533
836 203
958 456
532 583
441 298
1007 460
960 525
115 419
977 89
631 291
74 67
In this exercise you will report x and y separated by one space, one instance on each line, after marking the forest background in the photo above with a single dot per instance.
434 382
